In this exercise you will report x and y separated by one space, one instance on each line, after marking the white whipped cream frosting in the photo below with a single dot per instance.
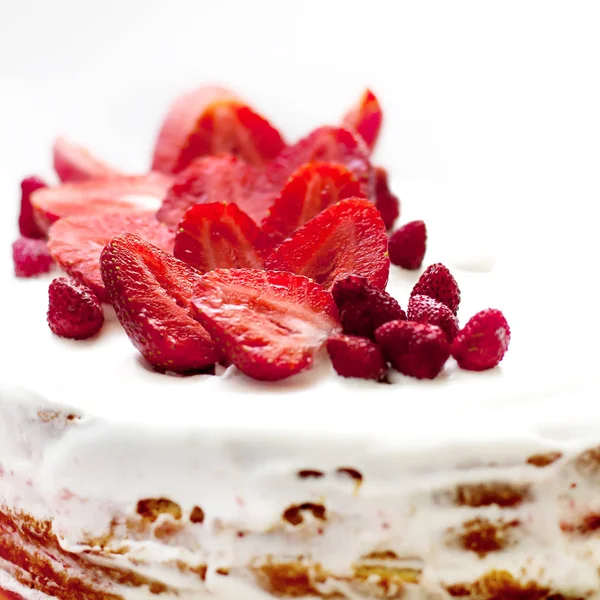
234 446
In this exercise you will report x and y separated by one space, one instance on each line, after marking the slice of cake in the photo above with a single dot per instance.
242 398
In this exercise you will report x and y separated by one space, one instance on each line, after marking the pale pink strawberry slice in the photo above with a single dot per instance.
77 242
325 144
309 191
141 194
72 163
365 118
216 179
268 324
218 236
212 120
348 238
150 291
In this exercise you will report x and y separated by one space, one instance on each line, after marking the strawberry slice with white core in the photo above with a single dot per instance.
77 242
348 238
150 291
268 324
365 118
72 163
210 121
217 236
140 194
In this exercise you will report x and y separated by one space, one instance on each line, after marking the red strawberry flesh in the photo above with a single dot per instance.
72 163
348 238
74 311
218 236
268 324
150 291
77 242
365 118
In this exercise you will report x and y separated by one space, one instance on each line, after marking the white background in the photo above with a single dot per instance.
493 108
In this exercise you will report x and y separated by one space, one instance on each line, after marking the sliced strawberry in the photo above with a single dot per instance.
348 238
218 236
325 144
150 291
77 242
268 324
309 191
216 179
212 120
73 162
365 118
140 194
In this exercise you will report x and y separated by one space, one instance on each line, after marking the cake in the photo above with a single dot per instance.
122 481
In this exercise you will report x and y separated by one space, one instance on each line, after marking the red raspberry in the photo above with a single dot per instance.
387 204
27 225
31 257
437 283
423 309
74 311
482 343
414 349
363 308
356 357
407 245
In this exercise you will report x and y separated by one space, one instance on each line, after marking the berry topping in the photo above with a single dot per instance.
27 225
268 324
438 283
73 162
407 245
414 349
31 257
363 308
325 144
387 204
423 309
348 238
212 120
309 191
216 179
356 357
482 343
150 291
217 236
365 118
77 242
140 194
74 311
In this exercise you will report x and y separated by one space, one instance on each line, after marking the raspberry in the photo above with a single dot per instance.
353 356
423 309
31 257
27 225
74 311
414 349
363 308
407 245
437 283
387 204
482 343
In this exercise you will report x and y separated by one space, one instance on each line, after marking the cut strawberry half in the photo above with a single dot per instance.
216 179
150 291
218 236
77 242
209 121
140 194
326 144
365 118
309 191
348 238
73 163
268 324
